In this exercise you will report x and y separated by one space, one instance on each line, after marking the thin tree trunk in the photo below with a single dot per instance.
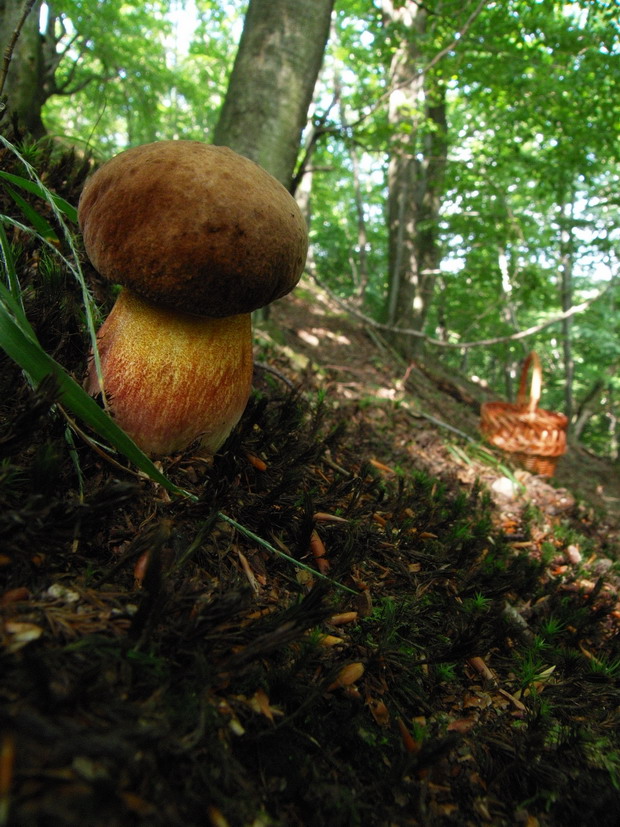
359 264
417 115
614 437
363 276
566 289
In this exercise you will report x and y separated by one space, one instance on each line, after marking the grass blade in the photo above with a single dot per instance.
11 302
9 264
60 206
32 358
40 224
67 209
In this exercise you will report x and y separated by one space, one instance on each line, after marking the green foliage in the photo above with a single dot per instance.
131 76
533 138
478 604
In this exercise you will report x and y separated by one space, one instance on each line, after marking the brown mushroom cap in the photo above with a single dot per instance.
193 227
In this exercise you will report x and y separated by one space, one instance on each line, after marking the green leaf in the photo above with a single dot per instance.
40 224
9 263
67 209
11 296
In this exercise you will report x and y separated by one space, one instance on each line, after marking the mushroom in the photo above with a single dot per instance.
198 237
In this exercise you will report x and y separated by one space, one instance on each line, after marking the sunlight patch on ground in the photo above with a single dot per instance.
392 393
316 335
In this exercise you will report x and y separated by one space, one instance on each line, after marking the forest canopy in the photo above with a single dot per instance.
458 166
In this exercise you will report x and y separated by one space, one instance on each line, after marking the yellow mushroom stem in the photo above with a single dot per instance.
172 378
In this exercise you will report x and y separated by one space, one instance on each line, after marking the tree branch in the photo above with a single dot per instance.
66 90
318 128
8 52
522 334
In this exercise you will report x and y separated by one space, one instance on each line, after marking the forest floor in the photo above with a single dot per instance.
417 411
361 617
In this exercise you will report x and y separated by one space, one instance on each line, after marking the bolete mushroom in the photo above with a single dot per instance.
198 237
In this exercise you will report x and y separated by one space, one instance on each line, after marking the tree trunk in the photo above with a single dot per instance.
566 289
272 82
614 440
417 115
359 266
26 80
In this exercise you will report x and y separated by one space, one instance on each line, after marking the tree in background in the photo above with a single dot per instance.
30 77
530 221
272 82
417 160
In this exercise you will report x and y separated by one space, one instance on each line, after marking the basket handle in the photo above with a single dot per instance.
536 386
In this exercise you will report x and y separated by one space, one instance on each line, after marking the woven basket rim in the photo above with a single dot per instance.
522 410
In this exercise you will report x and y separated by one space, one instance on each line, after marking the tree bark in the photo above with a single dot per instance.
566 289
272 82
26 84
417 116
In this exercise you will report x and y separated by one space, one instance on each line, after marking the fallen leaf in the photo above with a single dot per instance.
330 640
323 517
462 724
380 466
139 570
317 546
14 596
379 711
480 666
515 701
476 701
247 569
323 565
260 703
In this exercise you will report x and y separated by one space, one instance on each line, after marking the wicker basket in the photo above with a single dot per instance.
534 438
